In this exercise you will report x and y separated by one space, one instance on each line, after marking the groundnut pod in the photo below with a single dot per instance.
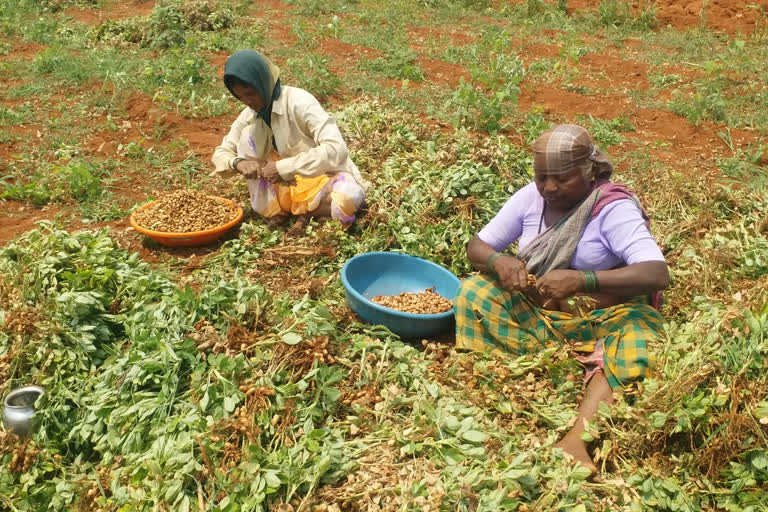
185 211
428 302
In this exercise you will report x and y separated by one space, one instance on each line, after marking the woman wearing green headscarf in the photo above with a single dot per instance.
288 149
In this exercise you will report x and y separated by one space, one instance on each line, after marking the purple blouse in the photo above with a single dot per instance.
617 237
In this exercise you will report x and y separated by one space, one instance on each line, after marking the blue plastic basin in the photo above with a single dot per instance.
390 273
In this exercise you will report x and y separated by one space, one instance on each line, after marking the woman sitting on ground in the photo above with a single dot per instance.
288 149
587 242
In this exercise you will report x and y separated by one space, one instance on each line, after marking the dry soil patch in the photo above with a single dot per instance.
730 16
22 50
114 11
563 103
441 72
540 51
144 117
344 56
630 73
17 218
419 35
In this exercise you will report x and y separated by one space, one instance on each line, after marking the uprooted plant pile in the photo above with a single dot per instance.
428 302
227 393
169 23
185 211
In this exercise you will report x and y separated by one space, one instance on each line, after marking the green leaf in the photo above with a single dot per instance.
452 423
154 467
433 388
658 419
474 452
474 436
173 490
581 473
412 448
291 338
760 461
272 479
230 403
332 394
317 433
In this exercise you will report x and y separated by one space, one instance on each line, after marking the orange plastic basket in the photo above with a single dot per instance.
193 238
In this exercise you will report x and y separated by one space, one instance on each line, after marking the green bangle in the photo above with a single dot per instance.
490 261
591 284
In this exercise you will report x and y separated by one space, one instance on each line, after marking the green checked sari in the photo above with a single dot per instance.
614 339
489 317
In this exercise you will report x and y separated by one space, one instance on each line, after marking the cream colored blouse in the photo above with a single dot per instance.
307 139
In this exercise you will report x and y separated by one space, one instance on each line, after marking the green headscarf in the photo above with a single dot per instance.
255 70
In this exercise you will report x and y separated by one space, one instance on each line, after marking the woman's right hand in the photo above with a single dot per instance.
512 273
250 169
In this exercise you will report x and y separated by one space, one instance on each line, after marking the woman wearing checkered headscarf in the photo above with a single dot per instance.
584 278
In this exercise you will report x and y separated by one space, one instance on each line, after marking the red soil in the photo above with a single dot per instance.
562 103
9 149
539 51
217 60
143 117
344 56
688 147
282 34
729 16
113 11
23 50
685 137
457 36
629 73
441 72
275 12
16 218
394 83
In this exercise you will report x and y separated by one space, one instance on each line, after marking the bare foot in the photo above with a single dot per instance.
577 449
278 220
298 226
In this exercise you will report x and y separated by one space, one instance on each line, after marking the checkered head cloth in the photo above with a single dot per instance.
566 147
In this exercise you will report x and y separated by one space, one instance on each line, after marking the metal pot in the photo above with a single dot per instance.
20 408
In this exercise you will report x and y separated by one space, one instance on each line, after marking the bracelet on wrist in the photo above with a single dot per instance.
591 284
491 260
236 161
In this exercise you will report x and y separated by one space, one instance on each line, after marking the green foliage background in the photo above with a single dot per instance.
148 366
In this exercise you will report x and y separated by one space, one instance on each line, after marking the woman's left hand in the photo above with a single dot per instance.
269 172
559 284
